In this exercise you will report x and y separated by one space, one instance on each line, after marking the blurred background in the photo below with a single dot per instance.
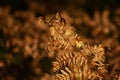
24 35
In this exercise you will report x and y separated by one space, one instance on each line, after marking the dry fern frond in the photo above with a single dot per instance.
74 59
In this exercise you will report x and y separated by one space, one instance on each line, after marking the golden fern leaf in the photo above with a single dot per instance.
74 59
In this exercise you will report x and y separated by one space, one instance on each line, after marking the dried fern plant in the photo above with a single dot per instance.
74 59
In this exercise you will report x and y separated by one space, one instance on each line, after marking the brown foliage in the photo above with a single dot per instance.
77 46
75 59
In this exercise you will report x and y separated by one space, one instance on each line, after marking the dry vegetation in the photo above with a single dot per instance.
75 58
59 44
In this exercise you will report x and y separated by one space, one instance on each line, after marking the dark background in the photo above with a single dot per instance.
14 65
